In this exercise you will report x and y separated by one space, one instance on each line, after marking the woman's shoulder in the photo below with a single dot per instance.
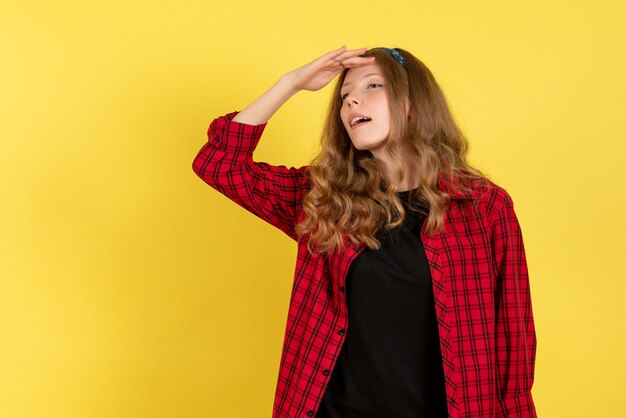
463 186
482 191
489 189
492 198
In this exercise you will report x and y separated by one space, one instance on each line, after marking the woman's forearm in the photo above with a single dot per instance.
262 109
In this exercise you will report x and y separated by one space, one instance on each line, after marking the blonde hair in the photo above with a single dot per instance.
349 195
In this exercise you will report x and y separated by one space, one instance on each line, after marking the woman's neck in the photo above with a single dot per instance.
409 182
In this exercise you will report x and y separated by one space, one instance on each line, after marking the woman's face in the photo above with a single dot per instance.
364 92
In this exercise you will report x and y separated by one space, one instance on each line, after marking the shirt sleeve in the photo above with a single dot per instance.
273 193
515 331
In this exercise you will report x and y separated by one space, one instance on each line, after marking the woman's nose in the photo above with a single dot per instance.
352 99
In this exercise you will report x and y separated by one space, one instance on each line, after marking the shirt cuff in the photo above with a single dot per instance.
520 406
231 136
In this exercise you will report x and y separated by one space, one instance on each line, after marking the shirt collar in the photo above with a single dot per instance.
450 184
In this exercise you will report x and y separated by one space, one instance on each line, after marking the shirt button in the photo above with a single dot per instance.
342 288
310 413
357 248
326 372
341 332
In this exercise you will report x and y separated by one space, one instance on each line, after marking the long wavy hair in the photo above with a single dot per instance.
349 195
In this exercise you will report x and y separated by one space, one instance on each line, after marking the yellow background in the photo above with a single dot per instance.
129 288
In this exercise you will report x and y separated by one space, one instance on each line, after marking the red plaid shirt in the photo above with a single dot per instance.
478 269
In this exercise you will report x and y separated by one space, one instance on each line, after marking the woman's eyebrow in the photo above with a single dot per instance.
366 75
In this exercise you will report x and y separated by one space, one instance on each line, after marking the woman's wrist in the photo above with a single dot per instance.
289 81
262 109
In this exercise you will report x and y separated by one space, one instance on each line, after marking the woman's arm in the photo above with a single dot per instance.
515 331
261 110
312 76
271 192
225 162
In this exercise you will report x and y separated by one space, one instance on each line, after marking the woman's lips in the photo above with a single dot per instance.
360 124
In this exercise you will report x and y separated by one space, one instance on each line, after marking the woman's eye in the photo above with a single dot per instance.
343 97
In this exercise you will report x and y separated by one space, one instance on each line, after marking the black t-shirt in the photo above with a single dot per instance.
390 365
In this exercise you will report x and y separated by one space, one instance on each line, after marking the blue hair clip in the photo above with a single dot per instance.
396 55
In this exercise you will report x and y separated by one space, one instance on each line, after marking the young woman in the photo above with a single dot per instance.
411 295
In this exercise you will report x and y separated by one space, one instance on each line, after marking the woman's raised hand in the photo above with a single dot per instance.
312 76
322 70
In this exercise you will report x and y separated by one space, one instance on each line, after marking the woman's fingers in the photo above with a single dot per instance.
337 51
342 54
350 58
348 54
357 61
341 58
333 54
315 74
